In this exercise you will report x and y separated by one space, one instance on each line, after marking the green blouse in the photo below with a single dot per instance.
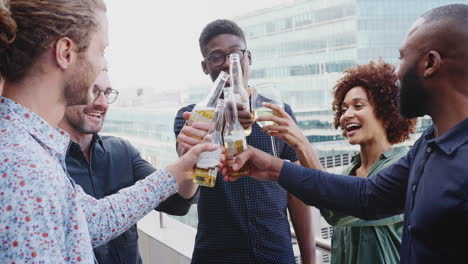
357 241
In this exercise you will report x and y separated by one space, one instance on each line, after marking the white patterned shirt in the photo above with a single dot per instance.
44 216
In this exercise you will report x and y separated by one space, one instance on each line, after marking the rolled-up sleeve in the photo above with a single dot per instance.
175 204
112 215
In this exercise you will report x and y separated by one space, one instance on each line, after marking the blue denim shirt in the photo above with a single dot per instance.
244 221
430 184
116 164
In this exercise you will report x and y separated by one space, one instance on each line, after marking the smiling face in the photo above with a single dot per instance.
88 119
224 44
358 118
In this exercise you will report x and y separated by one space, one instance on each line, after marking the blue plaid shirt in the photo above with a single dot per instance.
244 221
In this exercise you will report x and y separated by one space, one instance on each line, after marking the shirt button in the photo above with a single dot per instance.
414 187
428 149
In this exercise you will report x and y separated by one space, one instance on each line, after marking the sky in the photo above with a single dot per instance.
154 44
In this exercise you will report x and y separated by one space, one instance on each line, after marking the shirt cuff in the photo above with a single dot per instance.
287 170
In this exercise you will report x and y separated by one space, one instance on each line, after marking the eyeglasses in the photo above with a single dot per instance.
109 93
219 59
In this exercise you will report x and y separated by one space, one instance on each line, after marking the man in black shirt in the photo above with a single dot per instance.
102 165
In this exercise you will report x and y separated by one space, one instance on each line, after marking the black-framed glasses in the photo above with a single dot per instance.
219 59
109 93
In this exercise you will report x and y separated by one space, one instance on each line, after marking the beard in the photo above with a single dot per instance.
78 91
412 97
75 117
85 128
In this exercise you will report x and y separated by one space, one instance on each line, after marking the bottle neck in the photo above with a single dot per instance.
216 89
218 117
230 104
235 71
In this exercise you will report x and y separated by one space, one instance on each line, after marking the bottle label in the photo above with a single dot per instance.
234 145
202 115
209 159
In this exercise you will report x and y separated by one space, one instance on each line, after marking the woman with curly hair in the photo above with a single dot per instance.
365 108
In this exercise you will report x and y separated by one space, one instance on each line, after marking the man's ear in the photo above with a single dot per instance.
204 67
249 57
64 52
432 63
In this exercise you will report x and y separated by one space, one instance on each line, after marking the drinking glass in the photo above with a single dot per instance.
266 92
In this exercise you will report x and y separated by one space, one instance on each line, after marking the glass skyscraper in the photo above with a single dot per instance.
305 45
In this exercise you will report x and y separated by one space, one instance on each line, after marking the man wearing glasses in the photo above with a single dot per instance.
245 221
102 165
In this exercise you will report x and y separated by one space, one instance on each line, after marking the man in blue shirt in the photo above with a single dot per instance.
102 165
245 221
430 184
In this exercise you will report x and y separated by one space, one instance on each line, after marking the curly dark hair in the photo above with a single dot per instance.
378 79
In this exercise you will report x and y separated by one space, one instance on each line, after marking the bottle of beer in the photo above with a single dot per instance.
234 137
237 83
206 169
204 110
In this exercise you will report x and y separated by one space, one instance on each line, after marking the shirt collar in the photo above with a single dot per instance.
97 138
394 151
75 147
356 159
54 138
451 140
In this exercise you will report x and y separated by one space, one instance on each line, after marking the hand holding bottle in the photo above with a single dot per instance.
262 165
182 169
198 121
245 117
192 135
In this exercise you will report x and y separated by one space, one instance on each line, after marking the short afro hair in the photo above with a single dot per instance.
378 79
458 13
218 27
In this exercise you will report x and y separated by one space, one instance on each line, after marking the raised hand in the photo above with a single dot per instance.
262 165
244 116
191 135
182 169
284 128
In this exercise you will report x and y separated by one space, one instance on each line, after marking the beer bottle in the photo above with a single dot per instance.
237 83
204 110
234 137
206 169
